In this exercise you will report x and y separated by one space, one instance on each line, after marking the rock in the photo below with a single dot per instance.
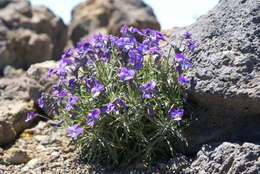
55 155
227 158
12 119
11 72
18 96
38 72
179 163
29 35
17 156
45 21
30 47
34 163
15 103
225 78
107 17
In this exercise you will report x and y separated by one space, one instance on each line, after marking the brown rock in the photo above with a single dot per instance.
107 17
29 35
29 47
15 103
12 119
38 73
44 21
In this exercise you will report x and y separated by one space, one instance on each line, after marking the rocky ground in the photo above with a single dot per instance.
45 149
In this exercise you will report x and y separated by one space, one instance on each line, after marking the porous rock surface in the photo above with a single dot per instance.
15 103
228 158
225 77
108 16
18 96
29 35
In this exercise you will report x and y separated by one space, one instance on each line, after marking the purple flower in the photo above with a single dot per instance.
72 83
67 53
187 65
126 74
71 102
191 45
124 29
51 72
126 43
136 58
41 101
93 116
176 114
111 108
148 89
62 94
151 113
120 102
30 116
97 88
179 69
74 131
183 80
181 58
67 61
94 86
187 34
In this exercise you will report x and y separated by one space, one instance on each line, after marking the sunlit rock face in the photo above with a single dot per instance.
99 16
29 34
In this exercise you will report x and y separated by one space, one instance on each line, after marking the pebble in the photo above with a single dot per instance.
34 163
24 169
55 155
17 156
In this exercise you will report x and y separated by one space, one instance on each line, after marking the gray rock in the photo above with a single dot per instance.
107 17
17 156
225 78
228 158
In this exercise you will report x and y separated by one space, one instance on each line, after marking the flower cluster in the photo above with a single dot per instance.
119 92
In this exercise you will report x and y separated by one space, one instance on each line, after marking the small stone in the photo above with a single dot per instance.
55 155
17 156
34 163
43 139
24 169
55 165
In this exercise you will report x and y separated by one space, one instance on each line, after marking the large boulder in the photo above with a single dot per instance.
108 16
225 78
227 158
29 35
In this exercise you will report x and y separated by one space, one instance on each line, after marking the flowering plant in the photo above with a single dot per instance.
121 97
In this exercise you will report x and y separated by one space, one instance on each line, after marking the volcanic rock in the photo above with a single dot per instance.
227 158
29 35
225 78
108 16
